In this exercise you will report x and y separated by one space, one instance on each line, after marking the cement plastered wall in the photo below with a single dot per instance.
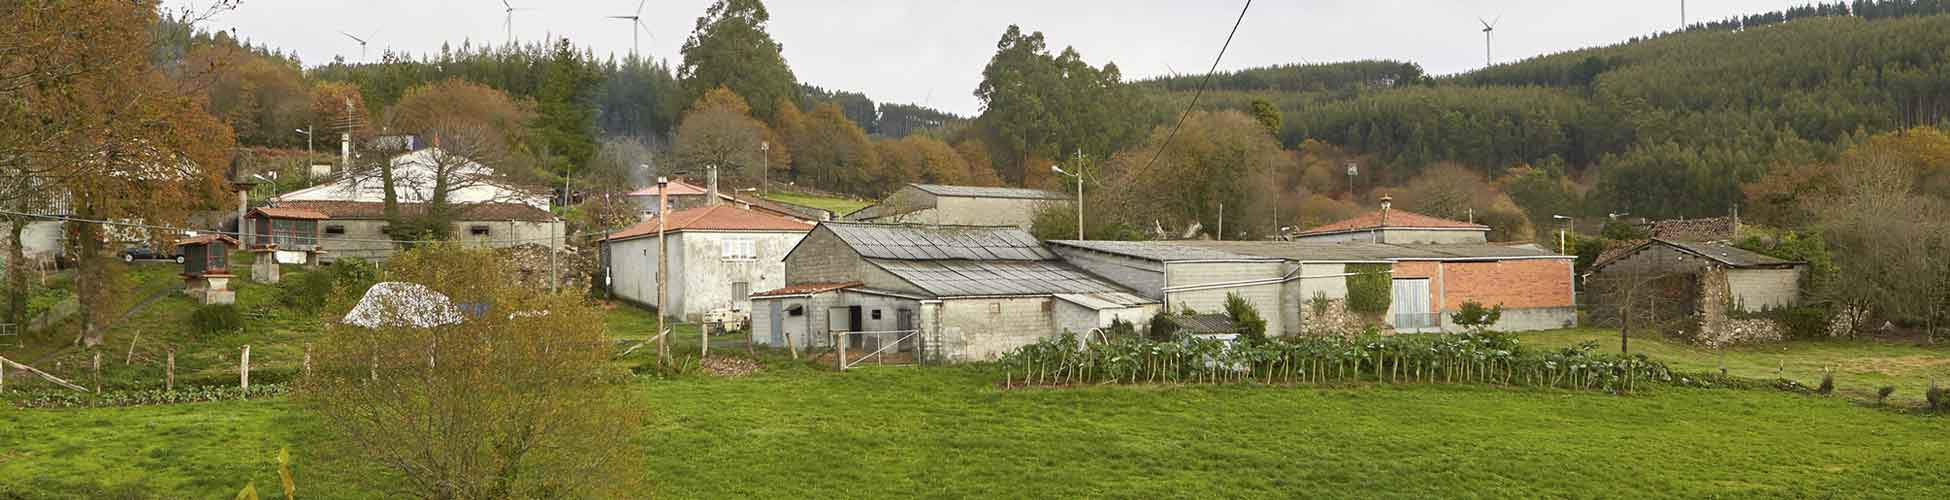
708 277
983 329
367 233
1267 298
633 268
823 258
1762 289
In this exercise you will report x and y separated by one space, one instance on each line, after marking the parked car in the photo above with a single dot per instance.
136 253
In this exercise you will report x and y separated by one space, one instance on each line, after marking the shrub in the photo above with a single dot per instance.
1827 384
1370 289
1934 395
1245 318
310 291
1807 322
1473 316
215 319
1882 393
1120 329
1162 328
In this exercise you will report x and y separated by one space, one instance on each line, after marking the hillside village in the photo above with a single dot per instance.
523 270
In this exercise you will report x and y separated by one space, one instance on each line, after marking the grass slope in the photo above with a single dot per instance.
947 432
1860 366
839 206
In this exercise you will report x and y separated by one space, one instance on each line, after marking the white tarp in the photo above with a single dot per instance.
401 304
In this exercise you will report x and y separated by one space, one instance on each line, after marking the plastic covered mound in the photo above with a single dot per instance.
399 304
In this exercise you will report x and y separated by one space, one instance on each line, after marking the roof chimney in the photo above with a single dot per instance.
711 185
1386 203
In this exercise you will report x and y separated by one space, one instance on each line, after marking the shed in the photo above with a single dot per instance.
285 228
960 205
207 254
1754 282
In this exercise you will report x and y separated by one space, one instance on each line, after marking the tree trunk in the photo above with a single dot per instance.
16 310
90 292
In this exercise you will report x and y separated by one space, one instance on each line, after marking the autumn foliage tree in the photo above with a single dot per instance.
718 131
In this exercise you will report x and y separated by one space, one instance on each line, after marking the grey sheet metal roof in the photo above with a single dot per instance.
1356 251
1728 254
1483 250
1161 251
917 242
962 278
990 192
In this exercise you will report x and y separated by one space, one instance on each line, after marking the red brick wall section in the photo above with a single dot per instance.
1524 283
1516 284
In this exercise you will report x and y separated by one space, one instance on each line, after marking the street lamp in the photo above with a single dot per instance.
1562 234
308 151
1352 170
764 168
1079 178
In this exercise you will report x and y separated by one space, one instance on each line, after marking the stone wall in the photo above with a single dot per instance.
1717 327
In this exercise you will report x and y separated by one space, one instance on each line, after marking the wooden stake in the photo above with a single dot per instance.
307 359
3 375
790 346
130 359
169 371
244 371
98 372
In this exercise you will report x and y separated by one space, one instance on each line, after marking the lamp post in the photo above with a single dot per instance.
764 168
1079 177
307 132
1562 234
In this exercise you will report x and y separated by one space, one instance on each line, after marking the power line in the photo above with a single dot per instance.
1201 89
64 218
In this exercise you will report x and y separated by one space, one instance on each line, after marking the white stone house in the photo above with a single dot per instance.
964 292
486 211
719 255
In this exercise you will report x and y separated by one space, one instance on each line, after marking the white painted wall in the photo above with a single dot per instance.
701 278
1762 289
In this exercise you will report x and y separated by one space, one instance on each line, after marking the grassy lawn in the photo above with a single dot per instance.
839 206
948 432
1860 366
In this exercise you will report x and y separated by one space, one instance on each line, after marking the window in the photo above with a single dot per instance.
740 250
795 310
876 314
478 230
335 229
741 290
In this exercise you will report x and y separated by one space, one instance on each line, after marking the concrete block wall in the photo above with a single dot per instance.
1762 289
984 329
1267 298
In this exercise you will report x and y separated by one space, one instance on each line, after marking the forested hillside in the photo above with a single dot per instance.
1668 125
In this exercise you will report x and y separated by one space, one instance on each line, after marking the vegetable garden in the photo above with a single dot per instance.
1483 358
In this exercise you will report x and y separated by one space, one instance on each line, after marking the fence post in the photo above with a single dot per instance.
131 357
169 371
3 375
98 372
308 359
839 350
244 372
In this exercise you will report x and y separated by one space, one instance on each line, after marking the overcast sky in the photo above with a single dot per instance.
932 53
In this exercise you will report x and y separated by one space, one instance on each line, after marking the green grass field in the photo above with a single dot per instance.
949 432
1859 366
839 206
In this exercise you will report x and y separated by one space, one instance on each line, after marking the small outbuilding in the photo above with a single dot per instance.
961 205
1727 282
718 255
206 268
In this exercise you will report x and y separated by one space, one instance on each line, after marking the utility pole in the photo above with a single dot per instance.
764 168
1079 177
1222 221
663 270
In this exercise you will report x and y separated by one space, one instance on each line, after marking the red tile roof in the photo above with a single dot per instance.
677 188
1396 218
465 212
714 218
807 288
291 213
205 239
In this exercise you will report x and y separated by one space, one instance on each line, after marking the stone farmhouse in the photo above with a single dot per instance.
960 205
1722 282
719 254
948 293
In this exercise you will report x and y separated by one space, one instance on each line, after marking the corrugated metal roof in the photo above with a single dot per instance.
915 242
1365 251
959 278
990 192
1482 250
1728 254
1162 251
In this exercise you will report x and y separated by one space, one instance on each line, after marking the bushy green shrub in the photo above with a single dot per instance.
1120 329
1473 316
1245 318
1827 384
1162 328
216 319
1805 322
1882 393
309 291
1370 289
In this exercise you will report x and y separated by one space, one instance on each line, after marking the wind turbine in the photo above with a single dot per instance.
362 42
1488 27
508 22
637 21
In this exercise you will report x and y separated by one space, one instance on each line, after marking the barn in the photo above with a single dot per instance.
951 293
